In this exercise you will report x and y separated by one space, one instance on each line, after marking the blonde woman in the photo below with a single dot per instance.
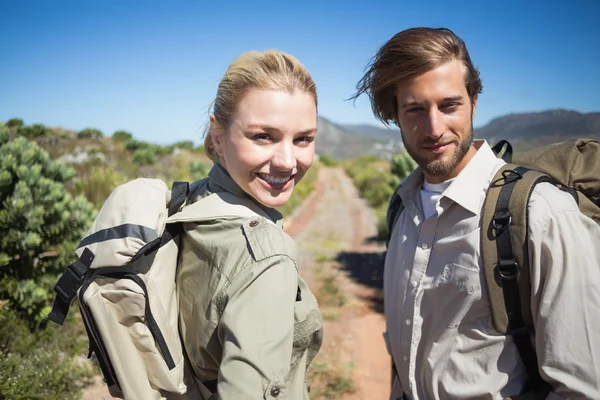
249 323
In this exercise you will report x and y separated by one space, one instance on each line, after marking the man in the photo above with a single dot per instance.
439 329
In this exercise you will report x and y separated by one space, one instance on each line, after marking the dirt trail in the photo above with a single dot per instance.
339 228
333 229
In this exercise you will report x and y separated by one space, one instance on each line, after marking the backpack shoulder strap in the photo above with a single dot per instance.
394 210
220 204
506 258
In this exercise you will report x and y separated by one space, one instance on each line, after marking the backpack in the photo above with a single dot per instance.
572 166
125 283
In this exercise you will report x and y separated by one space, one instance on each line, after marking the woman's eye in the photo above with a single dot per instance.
262 138
304 139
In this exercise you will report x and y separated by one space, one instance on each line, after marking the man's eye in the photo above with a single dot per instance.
414 110
450 106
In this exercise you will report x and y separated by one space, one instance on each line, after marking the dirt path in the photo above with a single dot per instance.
344 270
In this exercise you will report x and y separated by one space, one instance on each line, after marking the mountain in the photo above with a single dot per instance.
343 141
348 141
541 127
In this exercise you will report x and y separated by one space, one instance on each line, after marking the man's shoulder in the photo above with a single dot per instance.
551 199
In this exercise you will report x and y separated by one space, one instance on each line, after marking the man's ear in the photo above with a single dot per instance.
215 135
474 107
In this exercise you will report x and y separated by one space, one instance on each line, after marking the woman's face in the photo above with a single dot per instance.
270 143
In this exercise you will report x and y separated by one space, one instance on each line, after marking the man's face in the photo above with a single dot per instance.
435 116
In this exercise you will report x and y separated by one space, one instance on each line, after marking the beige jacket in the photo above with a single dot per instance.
247 319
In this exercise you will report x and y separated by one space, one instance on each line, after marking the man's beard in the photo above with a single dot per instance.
440 167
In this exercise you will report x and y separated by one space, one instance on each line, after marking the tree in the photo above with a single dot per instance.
122 136
14 123
33 131
41 224
89 133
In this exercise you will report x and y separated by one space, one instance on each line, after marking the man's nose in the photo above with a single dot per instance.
437 123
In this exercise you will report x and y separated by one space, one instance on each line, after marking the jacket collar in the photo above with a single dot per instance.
470 186
219 180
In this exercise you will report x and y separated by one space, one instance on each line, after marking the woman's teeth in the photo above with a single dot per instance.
274 179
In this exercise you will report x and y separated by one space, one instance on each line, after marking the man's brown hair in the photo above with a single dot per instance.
410 53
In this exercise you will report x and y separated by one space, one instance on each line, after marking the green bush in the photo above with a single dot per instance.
122 136
377 180
198 170
42 364
89 133
14 123
327 161
41 224
33 131
133 145
184 145
144 156
402 165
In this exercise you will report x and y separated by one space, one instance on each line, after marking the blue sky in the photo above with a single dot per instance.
152 67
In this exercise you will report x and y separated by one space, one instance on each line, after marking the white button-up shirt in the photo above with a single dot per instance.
439 327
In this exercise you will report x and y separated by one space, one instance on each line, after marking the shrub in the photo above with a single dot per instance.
42 364
327 161
33 131
14 123
41 224
184 145
89 133
122 136
144 156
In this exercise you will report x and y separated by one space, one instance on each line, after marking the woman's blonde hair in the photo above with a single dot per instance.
264 70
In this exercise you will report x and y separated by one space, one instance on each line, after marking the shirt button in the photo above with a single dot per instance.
275 391
413 284
424 246
408 322
405 358
253 223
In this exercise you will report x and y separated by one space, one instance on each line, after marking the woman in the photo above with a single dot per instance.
249 323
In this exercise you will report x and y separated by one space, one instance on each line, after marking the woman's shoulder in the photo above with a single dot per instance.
265 239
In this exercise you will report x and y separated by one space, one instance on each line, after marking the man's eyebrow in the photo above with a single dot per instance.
453 98
444 100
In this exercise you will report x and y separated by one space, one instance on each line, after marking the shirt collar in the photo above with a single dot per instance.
220 180
471 184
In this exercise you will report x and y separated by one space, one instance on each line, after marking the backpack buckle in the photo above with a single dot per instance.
511 175
501 221
507 269
70 281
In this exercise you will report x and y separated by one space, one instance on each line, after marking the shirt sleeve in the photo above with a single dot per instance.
257 331
564 249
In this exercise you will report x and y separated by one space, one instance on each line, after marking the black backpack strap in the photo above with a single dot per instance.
179 194
507 268
67 286
394 210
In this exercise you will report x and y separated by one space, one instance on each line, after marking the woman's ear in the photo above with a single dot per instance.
215 135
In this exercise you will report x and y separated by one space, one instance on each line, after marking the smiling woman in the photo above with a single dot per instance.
248 321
